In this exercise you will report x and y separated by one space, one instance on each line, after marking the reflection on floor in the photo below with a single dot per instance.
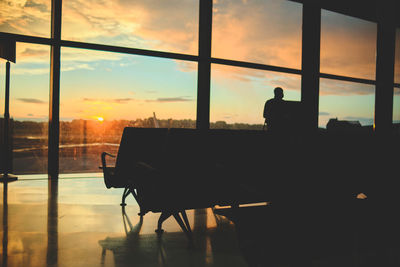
78 222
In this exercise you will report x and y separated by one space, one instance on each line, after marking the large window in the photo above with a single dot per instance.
151 24
25 17
255 47
267 32
238 95
346 101
103 92
348 46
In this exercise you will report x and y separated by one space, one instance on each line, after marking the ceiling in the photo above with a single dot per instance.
371 10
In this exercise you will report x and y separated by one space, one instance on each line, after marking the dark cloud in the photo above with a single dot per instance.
323 113
31 100
362 120
39 6
334 87
121 100
170 99
30 52
112 100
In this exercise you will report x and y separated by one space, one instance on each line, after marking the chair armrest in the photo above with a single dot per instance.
103 159
108 172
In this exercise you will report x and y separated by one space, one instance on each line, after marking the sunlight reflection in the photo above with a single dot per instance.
209 254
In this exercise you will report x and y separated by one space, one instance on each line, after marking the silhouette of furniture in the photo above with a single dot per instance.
292 116
173 170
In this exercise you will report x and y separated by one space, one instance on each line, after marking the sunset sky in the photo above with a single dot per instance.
119 86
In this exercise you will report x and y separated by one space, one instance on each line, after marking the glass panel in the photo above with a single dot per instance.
267 32
396 96
29 107
346 101
26 17
152 24
2 86
348 46
397 58
238 95
396 105
102 92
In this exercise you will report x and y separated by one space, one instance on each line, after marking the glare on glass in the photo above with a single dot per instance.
29 107
102 92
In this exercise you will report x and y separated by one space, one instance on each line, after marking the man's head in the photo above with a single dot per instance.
278 92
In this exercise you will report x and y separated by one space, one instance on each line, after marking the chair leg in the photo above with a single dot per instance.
185 219
142 212
164 215
124 195
185 229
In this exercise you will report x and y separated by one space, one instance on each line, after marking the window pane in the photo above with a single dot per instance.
397 58
346 101
267 32
396 96
396 105
102 92
29 107
348 46
26 17
238 95
152 24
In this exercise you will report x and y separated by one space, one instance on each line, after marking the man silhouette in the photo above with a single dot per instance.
274 111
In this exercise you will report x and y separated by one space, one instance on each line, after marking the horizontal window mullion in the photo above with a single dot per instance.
27 38
346 78
99 47
127 50
254 65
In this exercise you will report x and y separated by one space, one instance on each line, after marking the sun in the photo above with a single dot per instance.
100 118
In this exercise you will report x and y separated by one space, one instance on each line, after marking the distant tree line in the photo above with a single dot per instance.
89 131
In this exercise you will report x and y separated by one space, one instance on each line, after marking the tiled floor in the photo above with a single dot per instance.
78 222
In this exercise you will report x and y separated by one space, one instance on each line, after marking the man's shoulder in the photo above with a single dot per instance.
270 101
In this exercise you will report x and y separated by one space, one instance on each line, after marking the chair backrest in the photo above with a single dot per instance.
139 144
184 145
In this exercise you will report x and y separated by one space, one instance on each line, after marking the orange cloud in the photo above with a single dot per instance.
30 17
161 25
267 32
348 46
333 87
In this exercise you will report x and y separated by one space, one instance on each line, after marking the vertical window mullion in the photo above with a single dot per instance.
54 108
204 65
385 61
310 63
